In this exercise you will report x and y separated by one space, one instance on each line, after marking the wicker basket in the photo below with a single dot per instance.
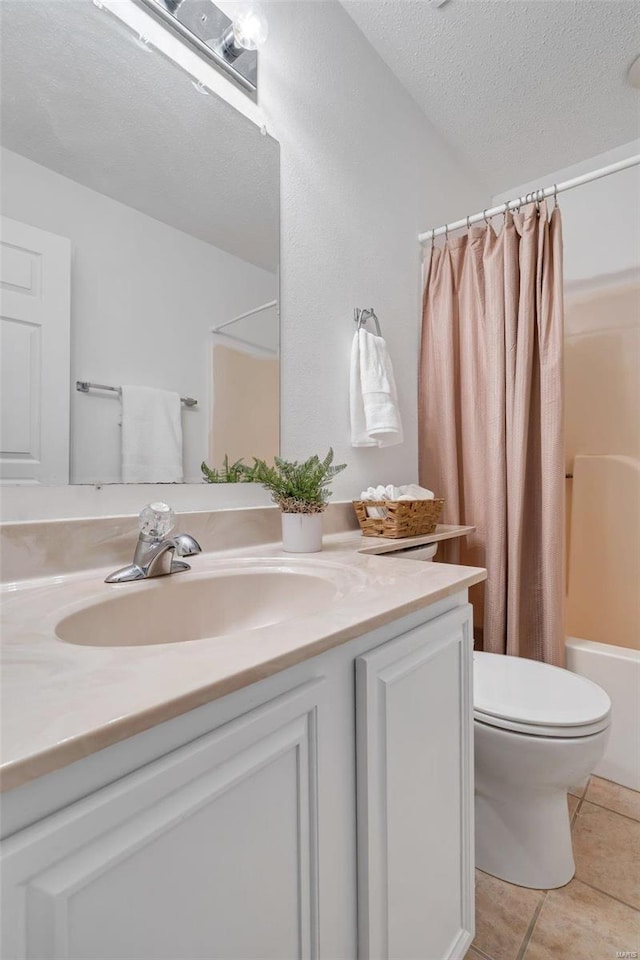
404 518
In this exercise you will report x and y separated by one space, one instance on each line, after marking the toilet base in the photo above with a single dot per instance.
523 831
526 843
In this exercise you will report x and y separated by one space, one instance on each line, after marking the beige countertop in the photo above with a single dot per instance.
63 701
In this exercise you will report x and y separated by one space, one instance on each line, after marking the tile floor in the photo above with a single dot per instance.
597 915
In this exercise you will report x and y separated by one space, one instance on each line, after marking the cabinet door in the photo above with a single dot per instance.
415 793
207 853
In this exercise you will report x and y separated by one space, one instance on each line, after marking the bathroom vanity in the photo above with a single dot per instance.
295 788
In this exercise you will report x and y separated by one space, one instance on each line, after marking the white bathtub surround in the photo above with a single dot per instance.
302 532
616 670
603 601
538 730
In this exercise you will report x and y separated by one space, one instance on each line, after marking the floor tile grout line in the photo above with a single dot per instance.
608 809
532 923
604 893
576 812
485 956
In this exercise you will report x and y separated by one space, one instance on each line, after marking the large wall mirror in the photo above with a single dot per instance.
140 242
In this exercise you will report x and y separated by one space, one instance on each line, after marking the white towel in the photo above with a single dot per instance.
410 491
151 436
414 492
375 415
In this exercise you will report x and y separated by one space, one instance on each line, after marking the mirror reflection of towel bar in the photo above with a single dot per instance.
84 386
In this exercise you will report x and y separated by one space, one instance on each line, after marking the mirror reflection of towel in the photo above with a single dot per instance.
151 436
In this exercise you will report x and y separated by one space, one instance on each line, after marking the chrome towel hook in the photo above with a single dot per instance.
362 316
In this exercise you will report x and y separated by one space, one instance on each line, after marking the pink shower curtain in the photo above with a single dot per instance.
491 422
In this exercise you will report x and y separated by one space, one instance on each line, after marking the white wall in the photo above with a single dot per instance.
362 174
600 220
144 297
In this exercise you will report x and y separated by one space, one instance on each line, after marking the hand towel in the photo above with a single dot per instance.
375 415
151 436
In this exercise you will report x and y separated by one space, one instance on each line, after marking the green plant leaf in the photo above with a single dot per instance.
237 472
298 487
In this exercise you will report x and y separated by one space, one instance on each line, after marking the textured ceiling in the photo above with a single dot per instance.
82 98
518 88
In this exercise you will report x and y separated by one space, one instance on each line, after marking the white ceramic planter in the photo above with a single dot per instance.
302 532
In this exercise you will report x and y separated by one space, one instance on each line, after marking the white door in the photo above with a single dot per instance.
35 273
415 793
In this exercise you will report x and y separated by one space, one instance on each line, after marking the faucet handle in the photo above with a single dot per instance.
156 521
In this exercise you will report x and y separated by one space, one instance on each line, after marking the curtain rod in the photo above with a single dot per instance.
249 313
536 195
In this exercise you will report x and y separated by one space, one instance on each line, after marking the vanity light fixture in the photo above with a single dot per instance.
248 31
231 46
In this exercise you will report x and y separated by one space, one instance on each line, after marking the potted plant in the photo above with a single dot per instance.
301 490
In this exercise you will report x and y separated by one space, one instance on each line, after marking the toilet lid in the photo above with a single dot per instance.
521 691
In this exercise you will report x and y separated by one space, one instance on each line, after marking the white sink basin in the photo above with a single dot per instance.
193 606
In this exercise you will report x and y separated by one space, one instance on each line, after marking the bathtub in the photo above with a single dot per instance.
617 670
603 599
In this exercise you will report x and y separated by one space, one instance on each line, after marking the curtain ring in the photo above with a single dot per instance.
446 232
555 195
468 224
433 237
484 217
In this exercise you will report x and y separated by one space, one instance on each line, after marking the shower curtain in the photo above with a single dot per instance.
491 422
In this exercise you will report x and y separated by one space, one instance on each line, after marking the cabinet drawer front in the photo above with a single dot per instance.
207 853
415 793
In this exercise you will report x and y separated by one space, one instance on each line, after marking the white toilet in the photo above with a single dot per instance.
538 730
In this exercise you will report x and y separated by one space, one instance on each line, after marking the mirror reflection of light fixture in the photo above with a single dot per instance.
230 45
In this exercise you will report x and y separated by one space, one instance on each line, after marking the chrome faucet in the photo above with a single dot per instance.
156 552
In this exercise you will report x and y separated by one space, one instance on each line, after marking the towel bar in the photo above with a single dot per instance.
84 386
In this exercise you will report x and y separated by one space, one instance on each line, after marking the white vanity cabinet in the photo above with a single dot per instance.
263 837
415 793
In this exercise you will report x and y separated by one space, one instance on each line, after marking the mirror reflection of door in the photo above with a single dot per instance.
34 355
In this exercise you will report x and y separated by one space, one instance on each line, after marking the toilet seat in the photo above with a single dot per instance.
536 699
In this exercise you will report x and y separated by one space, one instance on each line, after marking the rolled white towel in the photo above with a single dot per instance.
414 492
410 491
377 493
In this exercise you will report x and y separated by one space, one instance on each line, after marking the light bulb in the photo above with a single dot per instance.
250 28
